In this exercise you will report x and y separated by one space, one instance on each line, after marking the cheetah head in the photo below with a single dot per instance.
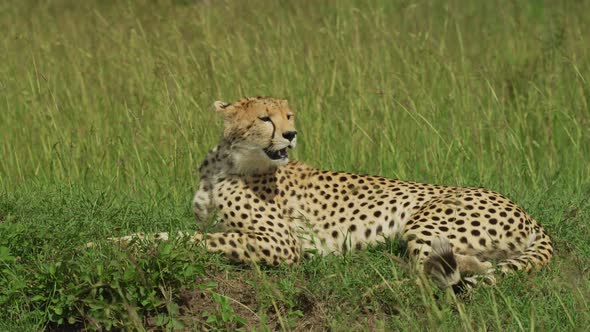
260 131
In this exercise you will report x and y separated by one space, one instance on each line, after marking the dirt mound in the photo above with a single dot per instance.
231 302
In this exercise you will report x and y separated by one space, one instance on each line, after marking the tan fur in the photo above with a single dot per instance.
276 211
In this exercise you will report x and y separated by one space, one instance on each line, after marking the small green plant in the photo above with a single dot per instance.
223 318
110 292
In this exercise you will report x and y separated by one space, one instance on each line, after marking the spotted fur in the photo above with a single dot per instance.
276 211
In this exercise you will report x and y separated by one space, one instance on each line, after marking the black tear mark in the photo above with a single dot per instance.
274 129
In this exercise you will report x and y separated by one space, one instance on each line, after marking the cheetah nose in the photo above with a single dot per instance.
290 135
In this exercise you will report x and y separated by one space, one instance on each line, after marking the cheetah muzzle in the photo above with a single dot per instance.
276 154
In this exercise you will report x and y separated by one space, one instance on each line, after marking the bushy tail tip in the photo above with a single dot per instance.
441 265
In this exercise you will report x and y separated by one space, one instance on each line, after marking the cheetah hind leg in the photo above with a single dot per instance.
459 272
473 271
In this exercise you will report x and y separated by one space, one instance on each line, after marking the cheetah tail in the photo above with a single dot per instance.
441 266
537 254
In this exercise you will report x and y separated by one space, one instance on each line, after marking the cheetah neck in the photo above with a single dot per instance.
234 159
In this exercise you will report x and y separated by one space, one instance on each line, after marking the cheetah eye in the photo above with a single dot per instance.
265 118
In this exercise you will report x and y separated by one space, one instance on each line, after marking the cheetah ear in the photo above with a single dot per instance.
220 106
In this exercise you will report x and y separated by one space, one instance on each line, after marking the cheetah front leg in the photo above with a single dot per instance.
254 247
248 247
203 203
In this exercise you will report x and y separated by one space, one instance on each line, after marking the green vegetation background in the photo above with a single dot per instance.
105 114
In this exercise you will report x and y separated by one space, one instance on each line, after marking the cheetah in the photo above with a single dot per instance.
275 211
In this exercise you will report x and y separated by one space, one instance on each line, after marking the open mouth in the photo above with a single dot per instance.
278 154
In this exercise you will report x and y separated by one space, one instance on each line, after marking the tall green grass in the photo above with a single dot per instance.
106 113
